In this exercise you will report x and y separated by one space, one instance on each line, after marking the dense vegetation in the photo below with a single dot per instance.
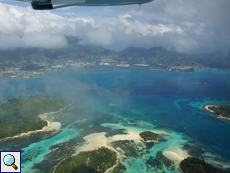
147 135
195 165
223 110
88 162
20 114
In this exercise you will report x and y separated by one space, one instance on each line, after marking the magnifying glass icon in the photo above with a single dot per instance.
9 160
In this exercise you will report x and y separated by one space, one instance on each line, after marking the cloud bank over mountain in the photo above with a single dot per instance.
182 25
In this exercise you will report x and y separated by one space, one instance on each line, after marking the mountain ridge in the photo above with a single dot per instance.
155 56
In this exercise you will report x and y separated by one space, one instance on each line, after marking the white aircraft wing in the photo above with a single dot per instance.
53 4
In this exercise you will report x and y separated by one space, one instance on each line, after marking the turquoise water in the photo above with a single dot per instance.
171 101
35 152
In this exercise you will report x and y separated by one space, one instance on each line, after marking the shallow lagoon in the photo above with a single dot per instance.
171 103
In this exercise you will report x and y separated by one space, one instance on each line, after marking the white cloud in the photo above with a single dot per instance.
140 29
185 25
98 37
34 39
206 21
23 27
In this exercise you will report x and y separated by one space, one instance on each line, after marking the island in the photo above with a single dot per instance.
192 164
99 160
148 136
21 114
223 111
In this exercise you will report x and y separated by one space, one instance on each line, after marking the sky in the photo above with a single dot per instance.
185 25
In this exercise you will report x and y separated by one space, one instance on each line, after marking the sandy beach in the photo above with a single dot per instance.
220 116
206 107
149 141
177 156
50 125
93 142
96 140
132 132
130 136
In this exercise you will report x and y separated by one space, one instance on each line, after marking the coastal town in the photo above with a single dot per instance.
19 72
11 74
16 63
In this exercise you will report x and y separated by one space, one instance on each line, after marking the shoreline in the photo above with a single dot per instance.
97 140
225 118
92 145
50 125
150 141
117 161
106 146
206 107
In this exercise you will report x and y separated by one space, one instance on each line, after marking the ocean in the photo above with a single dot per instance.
125 100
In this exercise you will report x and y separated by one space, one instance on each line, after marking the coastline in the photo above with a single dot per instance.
93 142
96 140
177 156
206 107
117 162
220 116
149 141
50 125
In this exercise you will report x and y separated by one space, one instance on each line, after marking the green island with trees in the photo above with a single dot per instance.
88 162
149 136
20 115
192 164
223 110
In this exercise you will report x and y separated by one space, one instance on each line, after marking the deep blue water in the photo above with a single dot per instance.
173 99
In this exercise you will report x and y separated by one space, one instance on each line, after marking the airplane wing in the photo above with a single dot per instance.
54 4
